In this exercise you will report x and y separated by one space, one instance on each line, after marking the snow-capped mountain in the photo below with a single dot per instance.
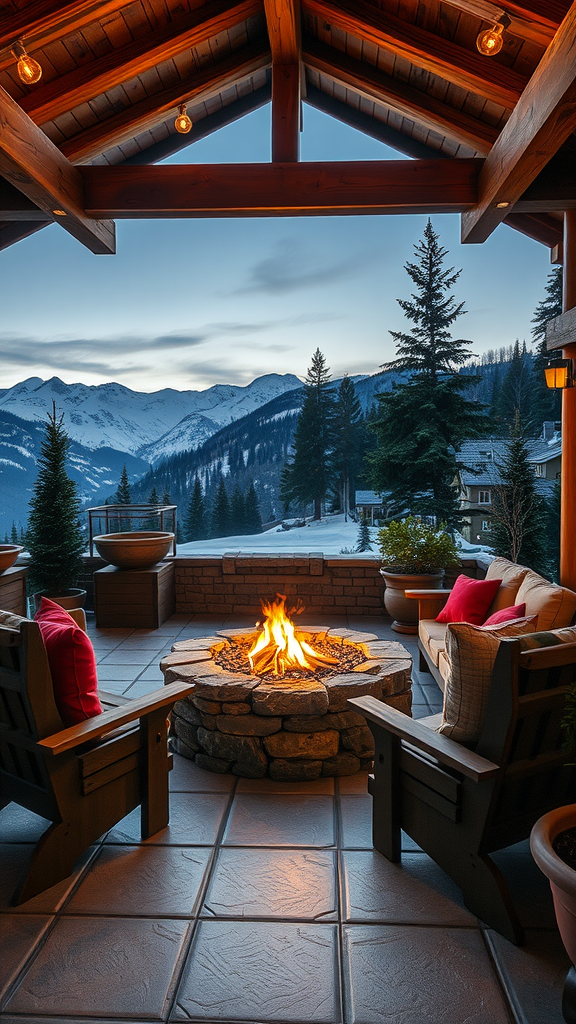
111 415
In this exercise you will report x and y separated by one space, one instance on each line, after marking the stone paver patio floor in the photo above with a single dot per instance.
263 902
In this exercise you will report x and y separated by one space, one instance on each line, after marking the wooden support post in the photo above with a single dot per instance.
285 113
568 498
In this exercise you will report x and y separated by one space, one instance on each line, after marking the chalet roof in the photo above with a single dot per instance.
404 71
481 457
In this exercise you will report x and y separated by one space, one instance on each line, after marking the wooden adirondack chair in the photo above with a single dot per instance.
461 805
85 778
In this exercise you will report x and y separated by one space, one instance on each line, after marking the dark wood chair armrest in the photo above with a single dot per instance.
430 602
95 728
445 750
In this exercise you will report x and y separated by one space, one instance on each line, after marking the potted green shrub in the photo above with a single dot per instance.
415 556
54 538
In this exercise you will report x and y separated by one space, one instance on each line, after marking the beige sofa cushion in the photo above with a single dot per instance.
433 637
444 669
512 576
471 651
554 605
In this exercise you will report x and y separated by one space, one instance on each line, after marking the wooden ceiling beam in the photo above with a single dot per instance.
11 233
548 13
154 109
41 23
283 22
543 119
290 189
35 166
15 206
411 103
98 76
463 67
553 190
541 227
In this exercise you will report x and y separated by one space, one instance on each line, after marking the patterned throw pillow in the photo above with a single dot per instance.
472 651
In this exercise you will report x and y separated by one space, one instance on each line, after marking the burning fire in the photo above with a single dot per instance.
277 648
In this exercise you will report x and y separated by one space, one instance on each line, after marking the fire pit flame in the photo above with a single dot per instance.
277 648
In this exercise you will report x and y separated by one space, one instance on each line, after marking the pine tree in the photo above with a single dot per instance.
363 543
515 398
348 440
153 498
220 522
253 519
237 513
166 499
14 534
546 404
54 537
518 514
152 522
423 422
123 497
195 518
306 476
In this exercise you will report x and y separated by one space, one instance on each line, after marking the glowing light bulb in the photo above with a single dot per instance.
490 41
29 70
182 124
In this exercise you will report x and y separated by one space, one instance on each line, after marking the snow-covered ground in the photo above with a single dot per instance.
329 535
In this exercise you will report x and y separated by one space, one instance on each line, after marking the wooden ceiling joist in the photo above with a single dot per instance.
422 107
463 67
290 189
15 206
542 227
548 13
45 21
541 122
152 111
135 58
36 167
283 22
11 233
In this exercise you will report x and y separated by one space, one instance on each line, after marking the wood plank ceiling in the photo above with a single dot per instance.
405 71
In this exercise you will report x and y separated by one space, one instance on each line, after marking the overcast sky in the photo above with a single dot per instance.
188 304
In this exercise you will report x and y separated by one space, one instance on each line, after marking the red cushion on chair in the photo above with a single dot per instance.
516 611
72 664
469 601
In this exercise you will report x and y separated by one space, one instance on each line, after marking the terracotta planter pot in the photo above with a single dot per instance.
8 555
137 550
68 599
562 880
401 608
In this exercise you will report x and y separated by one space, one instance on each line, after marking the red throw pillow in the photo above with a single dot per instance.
72 664
516 611
469 601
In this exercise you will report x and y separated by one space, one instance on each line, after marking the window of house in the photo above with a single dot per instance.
539 469
484 498
486 526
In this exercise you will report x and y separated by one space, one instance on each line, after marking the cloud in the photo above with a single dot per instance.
217 372
291 268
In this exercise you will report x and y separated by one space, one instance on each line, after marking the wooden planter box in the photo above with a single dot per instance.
138 598
13 590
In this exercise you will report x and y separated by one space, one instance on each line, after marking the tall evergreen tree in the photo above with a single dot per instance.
253 519
220 522
546 404
195 518
152 522
153 498
166 499
54 537
123 497
518 514
423 422
237 513
348 441
516 394
306 477
14 534
363 543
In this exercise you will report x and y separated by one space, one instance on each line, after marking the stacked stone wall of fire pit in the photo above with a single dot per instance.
287 728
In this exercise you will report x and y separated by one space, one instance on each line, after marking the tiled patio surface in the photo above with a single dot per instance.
263 902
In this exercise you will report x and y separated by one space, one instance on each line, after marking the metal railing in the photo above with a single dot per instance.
119 519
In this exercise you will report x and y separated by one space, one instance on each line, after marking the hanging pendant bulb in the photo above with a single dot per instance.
489 42
29 70
182 124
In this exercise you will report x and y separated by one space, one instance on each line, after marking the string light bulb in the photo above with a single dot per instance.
182 124
489 42
29 70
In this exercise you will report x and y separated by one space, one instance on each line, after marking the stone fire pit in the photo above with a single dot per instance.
286 728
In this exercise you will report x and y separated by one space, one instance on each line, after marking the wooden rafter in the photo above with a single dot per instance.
541 122
289 189
45 21
463 67
154 109
540 226
120 65
422 107
35 166
10 233
548 13
283 22
15 206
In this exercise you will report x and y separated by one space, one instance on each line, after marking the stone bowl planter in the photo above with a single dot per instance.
137 550
8 555
401 609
